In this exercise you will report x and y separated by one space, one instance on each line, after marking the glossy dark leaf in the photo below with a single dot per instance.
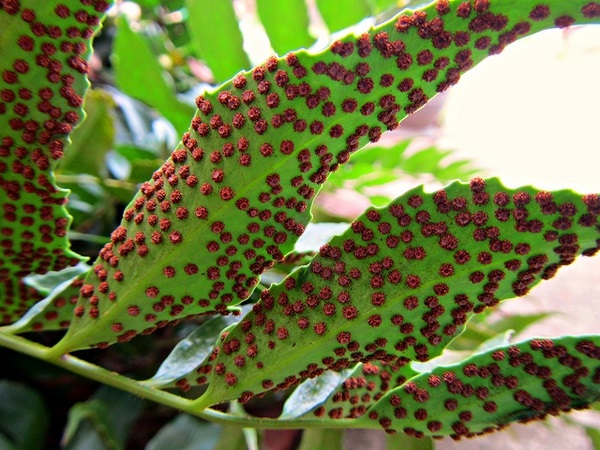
102 422
190 351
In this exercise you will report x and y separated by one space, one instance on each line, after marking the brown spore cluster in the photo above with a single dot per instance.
42 81
404 280
365 386
239 186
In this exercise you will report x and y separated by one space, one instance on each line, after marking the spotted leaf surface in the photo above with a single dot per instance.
370 381
366 385
44 46
520 383
236 192
402 282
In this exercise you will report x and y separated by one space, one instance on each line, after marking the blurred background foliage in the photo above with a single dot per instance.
151 60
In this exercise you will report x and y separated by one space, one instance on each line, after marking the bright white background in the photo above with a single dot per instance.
532 114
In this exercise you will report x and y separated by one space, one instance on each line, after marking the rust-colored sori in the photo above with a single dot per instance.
235 195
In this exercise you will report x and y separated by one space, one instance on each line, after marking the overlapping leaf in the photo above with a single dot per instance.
222 51
361 388
369 382
523 382
402 282
45 46
236 192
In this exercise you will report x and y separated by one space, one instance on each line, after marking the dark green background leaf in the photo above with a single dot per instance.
24 417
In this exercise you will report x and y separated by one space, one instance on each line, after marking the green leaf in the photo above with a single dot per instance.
317 235
476 333
366 384
522 382
379 200
517 322
186 433
404 442
385 157
24 418
237 191
425 161
190 352
376 165
402 282
103 422
53 312
225 57
502 339
148 3
6 444
232 438
322 439
460 170
449 357
382 5
52 281
96 132
286 23
338 17
88 436
139 74
594 435
310 394
43 81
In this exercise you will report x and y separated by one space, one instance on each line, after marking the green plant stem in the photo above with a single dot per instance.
96 373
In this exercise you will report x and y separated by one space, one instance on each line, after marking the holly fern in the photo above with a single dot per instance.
350 336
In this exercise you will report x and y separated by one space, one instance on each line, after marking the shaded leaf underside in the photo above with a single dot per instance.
236 192
45 47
